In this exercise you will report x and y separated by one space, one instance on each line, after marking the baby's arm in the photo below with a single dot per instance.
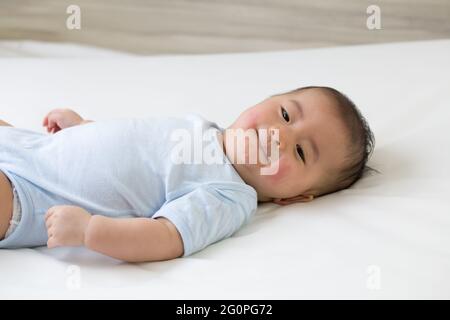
134 239
131 239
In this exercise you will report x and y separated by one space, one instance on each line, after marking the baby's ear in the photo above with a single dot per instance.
299 198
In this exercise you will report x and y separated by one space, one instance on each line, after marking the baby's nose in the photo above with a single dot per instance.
275 138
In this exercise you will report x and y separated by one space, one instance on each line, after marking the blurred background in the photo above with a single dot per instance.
157 27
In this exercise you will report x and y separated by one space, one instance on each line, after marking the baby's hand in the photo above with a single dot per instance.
59 119
66 225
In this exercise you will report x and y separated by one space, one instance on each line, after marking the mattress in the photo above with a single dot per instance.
387 237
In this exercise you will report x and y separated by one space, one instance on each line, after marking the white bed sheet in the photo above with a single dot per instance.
387 237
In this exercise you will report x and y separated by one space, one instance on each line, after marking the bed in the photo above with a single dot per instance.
387 237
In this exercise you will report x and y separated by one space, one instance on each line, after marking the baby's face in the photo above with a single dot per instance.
312 143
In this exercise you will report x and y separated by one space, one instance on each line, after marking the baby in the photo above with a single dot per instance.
131 189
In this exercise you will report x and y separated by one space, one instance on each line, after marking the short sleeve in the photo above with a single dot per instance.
208 214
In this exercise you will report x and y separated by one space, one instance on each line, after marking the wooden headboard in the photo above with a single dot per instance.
213 26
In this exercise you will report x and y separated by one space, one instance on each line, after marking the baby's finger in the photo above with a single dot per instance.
50 232
48 214
48 224
48 119
45 121
52 126
51 242
49 124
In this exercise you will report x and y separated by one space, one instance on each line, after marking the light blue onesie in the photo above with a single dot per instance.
125 168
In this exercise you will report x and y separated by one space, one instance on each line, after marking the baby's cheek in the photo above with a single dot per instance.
252 119
281 174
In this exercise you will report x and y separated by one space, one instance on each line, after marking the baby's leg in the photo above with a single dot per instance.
6 204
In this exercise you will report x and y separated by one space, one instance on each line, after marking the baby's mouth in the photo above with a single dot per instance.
263 146
268 145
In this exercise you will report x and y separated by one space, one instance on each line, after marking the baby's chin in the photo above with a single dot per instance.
265 184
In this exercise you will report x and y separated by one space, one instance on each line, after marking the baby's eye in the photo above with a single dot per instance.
300 152
285 114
